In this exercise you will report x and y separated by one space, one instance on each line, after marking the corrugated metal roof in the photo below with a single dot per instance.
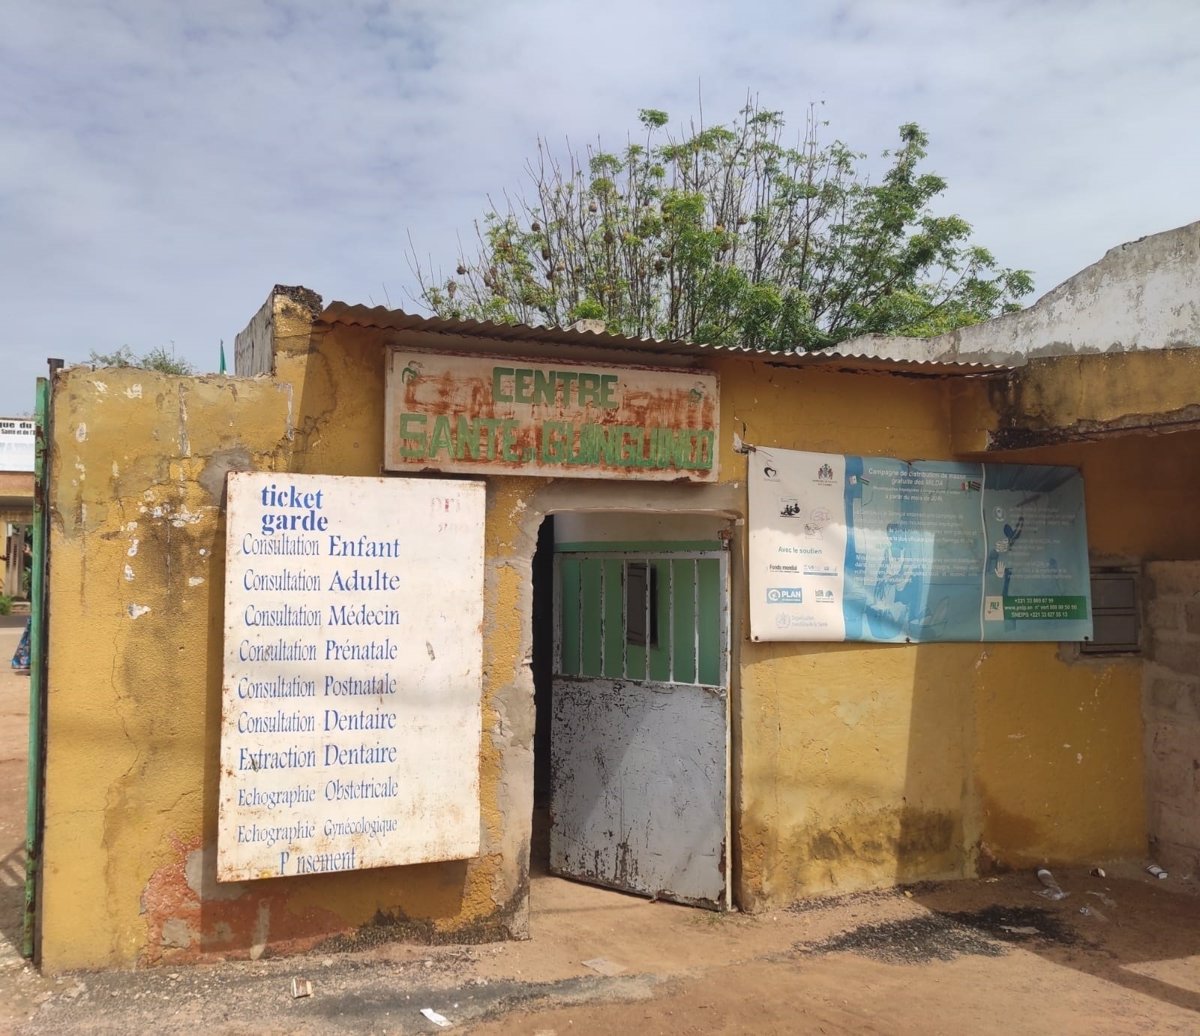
397 320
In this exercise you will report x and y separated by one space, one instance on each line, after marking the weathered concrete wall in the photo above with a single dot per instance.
1061 773
1058 399
1144 294
138 543
138 467
136 659
1171 704
854 759
1058 772
287 308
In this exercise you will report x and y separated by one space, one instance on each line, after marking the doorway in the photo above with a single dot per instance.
631 677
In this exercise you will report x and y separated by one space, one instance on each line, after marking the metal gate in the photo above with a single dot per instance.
640 726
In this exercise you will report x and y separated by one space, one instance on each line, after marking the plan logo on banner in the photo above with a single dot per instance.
785 595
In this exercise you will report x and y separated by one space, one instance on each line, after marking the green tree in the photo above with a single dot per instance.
728 236
159 359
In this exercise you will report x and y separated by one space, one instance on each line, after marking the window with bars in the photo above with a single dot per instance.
658 619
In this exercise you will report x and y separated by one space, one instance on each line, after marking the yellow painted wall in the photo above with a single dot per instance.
1131 389
1070 787
855 765
1061 398
1139 489
138 466
137 594
854 758
1059 771
864 765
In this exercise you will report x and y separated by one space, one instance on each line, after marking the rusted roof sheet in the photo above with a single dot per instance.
397 320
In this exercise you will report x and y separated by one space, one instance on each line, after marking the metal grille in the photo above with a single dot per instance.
680 635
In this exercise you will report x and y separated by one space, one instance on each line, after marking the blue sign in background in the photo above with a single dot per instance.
945 551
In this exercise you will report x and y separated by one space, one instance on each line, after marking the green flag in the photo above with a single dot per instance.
222 368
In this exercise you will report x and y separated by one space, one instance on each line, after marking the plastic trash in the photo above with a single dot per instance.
1157 871
1098 872
301 987
1051 891
437 1019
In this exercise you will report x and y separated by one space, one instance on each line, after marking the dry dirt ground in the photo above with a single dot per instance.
1120 955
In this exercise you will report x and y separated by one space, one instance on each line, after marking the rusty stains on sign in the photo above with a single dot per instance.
476 414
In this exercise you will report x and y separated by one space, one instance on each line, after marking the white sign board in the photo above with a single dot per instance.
353 673
17 438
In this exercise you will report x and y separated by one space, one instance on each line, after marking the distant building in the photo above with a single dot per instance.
16 497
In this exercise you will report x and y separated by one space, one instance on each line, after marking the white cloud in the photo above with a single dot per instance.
165 164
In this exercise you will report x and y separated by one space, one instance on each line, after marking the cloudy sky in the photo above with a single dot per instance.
162 165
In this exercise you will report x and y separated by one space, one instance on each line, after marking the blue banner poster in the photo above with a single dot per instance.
845 547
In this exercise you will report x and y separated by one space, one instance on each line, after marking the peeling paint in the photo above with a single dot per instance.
177 934
217 466
178 518
185 448
136 611
639 793
200 873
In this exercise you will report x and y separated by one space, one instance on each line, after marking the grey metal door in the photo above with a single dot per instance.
639 728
